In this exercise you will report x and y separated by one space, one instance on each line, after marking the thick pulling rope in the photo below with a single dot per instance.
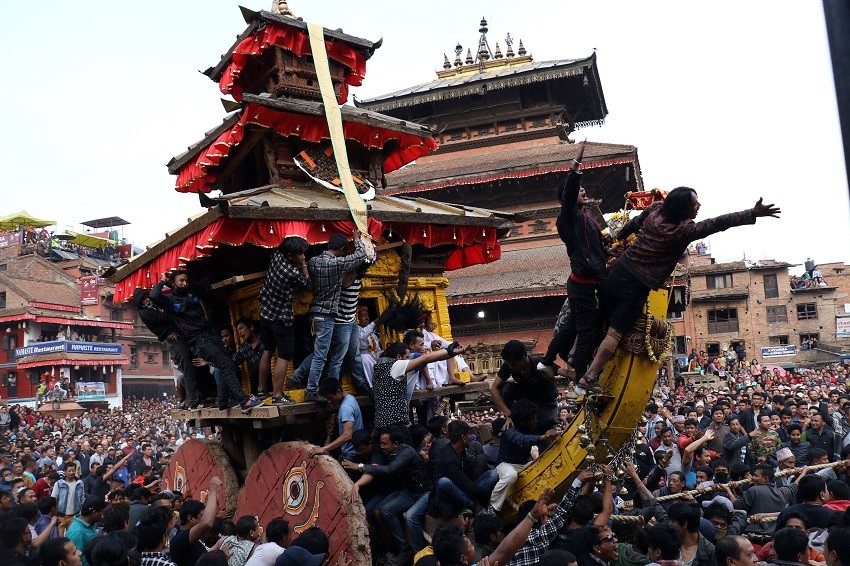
334 118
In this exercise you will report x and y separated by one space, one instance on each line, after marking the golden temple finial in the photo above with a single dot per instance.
483 59
282 8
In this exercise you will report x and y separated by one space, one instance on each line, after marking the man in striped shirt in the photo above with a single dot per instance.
346 336
326 273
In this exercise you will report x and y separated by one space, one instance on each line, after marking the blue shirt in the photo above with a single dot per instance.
349 411
515 447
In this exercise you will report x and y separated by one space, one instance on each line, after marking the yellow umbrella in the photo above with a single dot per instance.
23 218
89 241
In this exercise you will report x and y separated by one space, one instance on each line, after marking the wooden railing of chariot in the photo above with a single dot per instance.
269 470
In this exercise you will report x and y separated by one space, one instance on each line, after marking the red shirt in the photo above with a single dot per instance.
41 488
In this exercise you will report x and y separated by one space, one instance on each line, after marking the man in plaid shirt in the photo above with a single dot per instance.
326 273
287 272
541 538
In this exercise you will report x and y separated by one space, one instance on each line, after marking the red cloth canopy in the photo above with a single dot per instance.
194 177
474 244
298 42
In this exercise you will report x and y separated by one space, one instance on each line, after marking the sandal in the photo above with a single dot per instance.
590 386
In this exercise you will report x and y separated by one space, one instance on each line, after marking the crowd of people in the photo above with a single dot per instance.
811 277
756 469
747 467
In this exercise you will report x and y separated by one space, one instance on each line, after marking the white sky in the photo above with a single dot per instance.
734 99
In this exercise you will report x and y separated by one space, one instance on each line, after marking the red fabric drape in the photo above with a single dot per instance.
298 42
474 244
234 232
193 177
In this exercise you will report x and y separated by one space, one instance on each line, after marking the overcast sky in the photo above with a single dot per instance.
734 99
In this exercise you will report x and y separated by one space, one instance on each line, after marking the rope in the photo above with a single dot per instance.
355 202
719 486
636 519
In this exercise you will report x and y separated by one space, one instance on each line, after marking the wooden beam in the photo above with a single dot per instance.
237 279
284 213
233 161
271 160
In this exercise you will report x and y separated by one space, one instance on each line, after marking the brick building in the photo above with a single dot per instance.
42 305
754 303
47 333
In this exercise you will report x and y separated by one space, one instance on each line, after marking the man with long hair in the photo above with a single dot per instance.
664 231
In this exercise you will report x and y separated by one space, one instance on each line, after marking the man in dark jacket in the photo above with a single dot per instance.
821 436
167 332
736 445
15 539
581 232
407 466
750 417
454 489
183 306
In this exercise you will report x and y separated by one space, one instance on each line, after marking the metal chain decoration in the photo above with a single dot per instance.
616 459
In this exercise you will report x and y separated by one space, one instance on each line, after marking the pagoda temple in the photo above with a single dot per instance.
506 127
252 158
276 162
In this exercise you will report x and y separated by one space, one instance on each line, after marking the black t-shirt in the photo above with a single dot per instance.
576 541
533 386
99 488
184 553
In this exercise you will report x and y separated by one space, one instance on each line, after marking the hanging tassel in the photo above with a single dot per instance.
271 228
323 227
454 233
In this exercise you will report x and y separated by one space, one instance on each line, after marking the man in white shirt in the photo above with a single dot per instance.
69 494
278 536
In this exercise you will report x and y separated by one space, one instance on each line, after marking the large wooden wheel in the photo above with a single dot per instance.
192 467
286 481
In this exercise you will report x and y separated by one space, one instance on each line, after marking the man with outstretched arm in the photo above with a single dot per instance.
664 231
